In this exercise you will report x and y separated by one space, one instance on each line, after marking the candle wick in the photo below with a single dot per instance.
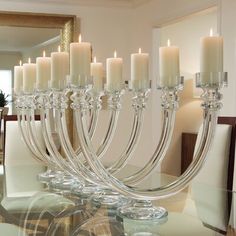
94 59
115 54
80 38
139 51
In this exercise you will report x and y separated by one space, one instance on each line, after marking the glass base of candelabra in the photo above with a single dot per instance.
47 176
143 210
142 228
110 199
87 191
144 234
65 183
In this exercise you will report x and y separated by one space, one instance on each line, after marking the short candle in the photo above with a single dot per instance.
97 74
169 65
114 73
59 68
211 57
43 72
29 77
18 78
80 59
139 70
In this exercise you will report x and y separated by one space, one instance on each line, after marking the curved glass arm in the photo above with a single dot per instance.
170 105
79 168
139 104
30 118
109 134
92 124
211 106
113 120
51 146
58 102
45 107
25 135
74 159
159 153
25 114
155 193
114 102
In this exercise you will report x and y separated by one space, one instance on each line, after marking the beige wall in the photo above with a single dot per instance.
228 19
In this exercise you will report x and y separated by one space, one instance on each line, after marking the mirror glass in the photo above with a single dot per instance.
24 36
20 43
23 39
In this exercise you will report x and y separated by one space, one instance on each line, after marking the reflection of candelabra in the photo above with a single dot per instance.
92 170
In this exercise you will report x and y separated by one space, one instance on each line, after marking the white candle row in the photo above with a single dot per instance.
56 68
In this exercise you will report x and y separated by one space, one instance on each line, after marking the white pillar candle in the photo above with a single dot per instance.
18 79
80 59
211 56
43 72
97 74
139 70
114 73
169 65
29 77
59 69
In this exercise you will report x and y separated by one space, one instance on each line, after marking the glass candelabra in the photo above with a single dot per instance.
83 169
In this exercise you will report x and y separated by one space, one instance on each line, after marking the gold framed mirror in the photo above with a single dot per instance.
67 26
66 23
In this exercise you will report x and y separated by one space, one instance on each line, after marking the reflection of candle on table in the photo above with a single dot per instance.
29 77
59 68
114 73
18 78
139 69
97 74
211 55
169 65
43 72
80 59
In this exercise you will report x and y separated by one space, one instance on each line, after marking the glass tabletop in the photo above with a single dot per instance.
35 209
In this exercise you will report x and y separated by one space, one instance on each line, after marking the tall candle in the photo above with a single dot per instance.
59 68
211 56
97 74
114 73
169 65
80 59
29 77
139 70
43 72
18 78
